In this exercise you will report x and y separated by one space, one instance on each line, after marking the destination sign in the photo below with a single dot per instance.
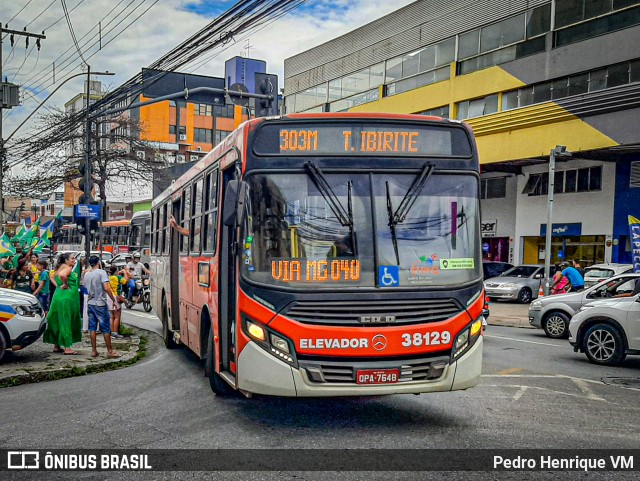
362 139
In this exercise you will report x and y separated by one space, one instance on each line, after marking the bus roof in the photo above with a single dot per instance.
238 136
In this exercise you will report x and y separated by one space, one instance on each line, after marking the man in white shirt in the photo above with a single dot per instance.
99 290
132 271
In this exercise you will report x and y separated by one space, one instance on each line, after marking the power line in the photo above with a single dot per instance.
63 16
18 13
41 13
67 61
73 35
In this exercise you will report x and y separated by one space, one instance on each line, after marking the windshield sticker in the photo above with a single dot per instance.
425 269
315 271
451 264
388 276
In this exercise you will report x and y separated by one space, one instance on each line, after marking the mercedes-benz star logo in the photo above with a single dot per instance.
379 342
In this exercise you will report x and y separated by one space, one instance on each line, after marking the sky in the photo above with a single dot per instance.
128 45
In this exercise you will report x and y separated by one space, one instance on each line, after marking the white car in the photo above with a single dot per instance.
600 272
22 320
607 330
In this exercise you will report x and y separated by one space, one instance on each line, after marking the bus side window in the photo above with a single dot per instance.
186 215
196 217
211 212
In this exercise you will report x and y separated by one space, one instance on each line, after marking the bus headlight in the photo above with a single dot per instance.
467 338
279 343
256 331
275 344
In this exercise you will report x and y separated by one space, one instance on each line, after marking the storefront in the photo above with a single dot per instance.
493 248
567 243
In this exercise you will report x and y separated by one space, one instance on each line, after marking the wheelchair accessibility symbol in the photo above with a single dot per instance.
388 276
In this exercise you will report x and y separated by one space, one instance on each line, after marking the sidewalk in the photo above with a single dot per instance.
38 362
509 314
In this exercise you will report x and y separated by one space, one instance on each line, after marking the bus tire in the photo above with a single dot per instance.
218 385
167 335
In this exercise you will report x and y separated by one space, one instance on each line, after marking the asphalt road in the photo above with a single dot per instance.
535 393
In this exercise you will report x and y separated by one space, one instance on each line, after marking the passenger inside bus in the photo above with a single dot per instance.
342 247
173 224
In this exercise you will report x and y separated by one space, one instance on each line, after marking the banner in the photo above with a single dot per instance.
634 235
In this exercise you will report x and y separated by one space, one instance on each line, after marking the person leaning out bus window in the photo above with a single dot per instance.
173 224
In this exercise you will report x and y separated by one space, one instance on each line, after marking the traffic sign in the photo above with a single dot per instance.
87 211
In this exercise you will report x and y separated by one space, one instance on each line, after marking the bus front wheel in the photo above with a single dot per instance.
218 385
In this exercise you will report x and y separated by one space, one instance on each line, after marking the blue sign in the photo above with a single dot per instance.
388 276
562 230
87 211
634 235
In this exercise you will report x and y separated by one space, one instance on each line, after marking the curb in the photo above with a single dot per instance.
137 351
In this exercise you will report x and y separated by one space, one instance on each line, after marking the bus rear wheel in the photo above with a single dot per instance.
218 385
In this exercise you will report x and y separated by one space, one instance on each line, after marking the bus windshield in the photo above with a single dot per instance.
294 237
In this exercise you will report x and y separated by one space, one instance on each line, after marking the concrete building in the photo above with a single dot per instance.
527 75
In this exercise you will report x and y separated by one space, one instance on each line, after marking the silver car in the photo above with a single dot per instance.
520 283
607 330
553 313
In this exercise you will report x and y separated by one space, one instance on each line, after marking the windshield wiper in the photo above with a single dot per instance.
412 195
407 202
392 224
345 217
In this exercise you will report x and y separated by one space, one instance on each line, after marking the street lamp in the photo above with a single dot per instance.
558 153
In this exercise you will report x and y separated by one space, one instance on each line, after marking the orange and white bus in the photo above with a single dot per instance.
326 255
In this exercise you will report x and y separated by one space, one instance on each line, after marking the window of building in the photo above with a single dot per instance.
221 135
586 179
438 112
477 107
225 111
503 41
204 109
582 19
202 135
172 130
634 178
611 76
493 188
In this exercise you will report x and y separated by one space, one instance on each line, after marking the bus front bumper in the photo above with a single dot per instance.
261 373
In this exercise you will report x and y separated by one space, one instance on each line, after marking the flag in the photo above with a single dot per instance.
46 230
77 268
20 231
634 235
6 249
40 245
28 236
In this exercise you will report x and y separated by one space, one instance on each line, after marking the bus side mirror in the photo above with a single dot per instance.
234 199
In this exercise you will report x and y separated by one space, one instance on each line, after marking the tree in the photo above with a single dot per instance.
53 155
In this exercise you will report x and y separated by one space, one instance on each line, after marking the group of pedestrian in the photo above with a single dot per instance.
568 278
25 272
65 320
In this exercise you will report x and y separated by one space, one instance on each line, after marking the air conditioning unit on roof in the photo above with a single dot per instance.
183 136
140 154
193 158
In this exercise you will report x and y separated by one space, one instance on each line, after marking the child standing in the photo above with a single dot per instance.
43 285
115 307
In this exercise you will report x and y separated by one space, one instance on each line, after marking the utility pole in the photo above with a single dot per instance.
559 152
4 87
87 166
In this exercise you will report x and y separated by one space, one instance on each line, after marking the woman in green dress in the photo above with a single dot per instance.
64 320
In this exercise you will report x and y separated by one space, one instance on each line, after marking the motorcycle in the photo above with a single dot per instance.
141 294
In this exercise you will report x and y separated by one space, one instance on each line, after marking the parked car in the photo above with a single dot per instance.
553 313
494 269
598 272
520 283
607 330
22 320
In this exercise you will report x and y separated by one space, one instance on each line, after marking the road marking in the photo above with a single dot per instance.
519 386
585 389
519 394
511 370
528 342
141 314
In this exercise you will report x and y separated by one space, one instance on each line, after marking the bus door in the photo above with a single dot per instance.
227 285
174 268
